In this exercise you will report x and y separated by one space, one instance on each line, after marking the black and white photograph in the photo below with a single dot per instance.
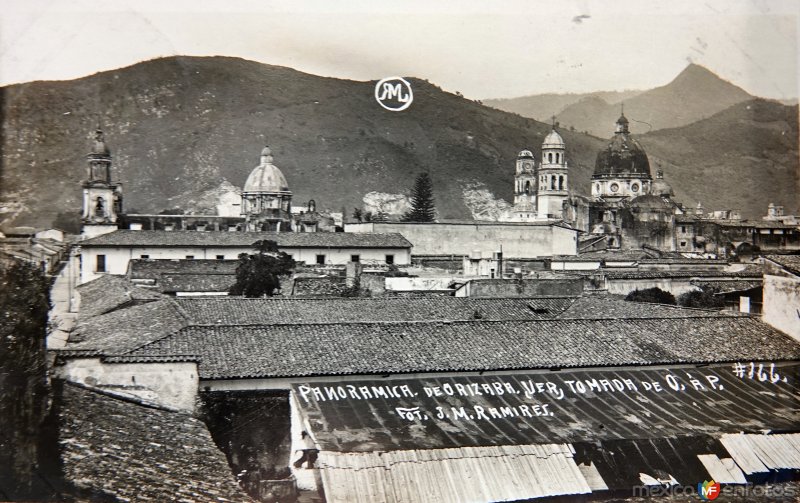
430 251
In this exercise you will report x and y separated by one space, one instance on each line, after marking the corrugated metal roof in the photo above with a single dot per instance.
445 412
503 473
724 471
762 453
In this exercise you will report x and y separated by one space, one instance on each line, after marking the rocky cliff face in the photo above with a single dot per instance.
482 204
390 204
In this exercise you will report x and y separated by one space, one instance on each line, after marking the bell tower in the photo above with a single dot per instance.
525 181
102 197
553 180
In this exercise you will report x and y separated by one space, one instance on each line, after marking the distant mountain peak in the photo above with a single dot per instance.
695 74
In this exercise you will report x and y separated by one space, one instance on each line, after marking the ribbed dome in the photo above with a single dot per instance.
525 154
660 187
649 201
553 140
623 155
266 177
99 147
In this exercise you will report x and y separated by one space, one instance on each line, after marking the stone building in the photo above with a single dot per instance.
266 198
102 197
542 396
540 191
627 208
266 203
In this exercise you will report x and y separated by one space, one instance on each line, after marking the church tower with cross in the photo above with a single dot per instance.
102 197
553 182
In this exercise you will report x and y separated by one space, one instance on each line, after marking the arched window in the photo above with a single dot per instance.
550 157
553 182
558 158
528 187
560 183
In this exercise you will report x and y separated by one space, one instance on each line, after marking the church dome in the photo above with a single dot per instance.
553 140
99 147
523 154
649 202
660 187
266 177
623 156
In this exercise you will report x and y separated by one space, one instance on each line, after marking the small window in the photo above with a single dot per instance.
101 263
683 228
220 257
683 244
144 256
321 259
390 259
189 257
355 258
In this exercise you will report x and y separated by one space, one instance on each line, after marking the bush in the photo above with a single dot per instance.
703 299
654 295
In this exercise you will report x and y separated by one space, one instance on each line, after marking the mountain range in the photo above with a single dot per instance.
181 128
695 94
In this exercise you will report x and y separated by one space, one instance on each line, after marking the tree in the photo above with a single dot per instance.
259 274
703 298
422 207
68 221
654 295
24 305
358 215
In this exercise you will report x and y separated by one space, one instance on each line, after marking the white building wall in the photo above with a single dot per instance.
781 307
516 240
117 258
672 285
172 384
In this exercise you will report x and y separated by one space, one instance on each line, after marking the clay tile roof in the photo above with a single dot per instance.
241 311
125 329
117 448
246 239
109 293
789 262
387 348
601 307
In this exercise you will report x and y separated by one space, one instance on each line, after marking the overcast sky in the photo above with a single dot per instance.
482 49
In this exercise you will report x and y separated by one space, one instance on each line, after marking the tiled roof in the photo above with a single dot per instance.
153 269
728 286
455 221
198 283
789 262
119 449
757 224
623 255
125 329
240 311
108 293
246 239
602 307
387 348
654 274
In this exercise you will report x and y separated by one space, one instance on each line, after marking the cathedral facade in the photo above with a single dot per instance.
627 207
